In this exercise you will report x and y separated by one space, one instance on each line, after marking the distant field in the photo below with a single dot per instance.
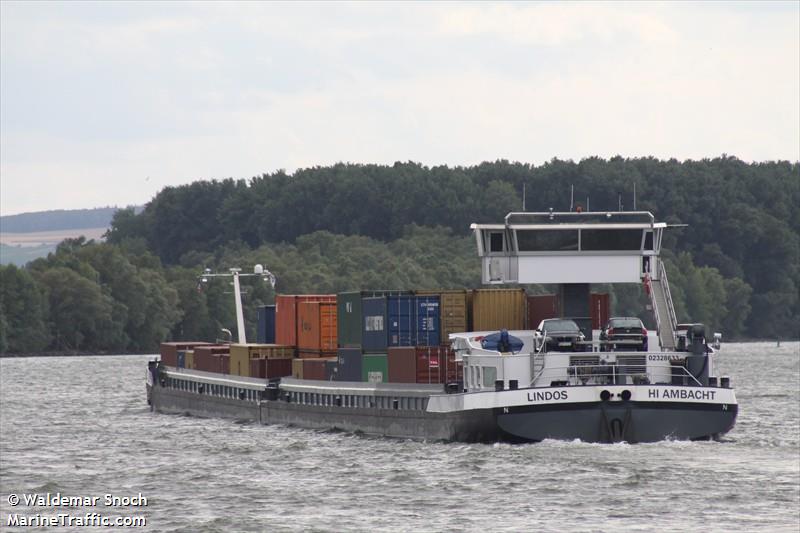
38 238
20 248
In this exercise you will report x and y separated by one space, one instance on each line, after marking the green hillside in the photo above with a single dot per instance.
326 229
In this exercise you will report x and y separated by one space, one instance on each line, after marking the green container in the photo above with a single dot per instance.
348 319
375 368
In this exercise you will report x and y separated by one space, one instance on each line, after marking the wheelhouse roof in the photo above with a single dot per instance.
574 220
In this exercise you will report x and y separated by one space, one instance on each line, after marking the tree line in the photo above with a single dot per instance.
101 297
405 226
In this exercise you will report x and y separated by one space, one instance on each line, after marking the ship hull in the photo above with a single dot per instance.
479 426
634 422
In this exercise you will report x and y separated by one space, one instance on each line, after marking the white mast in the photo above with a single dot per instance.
258 270
238 299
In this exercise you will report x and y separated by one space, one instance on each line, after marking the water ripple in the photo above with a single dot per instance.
80 426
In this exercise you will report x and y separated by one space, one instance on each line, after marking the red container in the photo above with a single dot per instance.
169 350
402 362
599 309
437 364
270 368
206 358
316 326
314 368
225 363
286 314
541 308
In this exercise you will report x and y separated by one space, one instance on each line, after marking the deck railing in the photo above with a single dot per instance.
611 374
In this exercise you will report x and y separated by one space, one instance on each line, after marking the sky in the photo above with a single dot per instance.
106 103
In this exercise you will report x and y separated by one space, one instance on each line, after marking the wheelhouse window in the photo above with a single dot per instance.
495 241
611 239
648 240
547 240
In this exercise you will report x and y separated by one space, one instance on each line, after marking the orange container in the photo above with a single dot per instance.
286 322
316 326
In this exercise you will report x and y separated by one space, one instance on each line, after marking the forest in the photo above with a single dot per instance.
735 265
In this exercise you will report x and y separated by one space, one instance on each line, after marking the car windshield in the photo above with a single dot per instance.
625 323
560 325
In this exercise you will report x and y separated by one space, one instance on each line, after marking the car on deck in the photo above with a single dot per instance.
624 333
560 335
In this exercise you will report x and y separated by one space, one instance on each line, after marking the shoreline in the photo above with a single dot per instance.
71 354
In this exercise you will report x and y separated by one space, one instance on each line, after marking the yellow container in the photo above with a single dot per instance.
188 359
297 368
496 309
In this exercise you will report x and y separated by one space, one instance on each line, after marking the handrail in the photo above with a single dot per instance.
656 314
662 273
616 370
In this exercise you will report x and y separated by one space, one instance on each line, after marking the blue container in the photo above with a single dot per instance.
266 325
181 359
427 325
348 367
400 314
373 321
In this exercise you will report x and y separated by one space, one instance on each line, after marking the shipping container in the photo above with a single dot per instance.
181 359
374 336
599 309
189 359
453 313
257 368
437 364
402 364
270 368
313 354
206 357
266 324
350 323
348 319
286 314
400 320
374 368
316 368
316 323
496 309
297 368
331 367
225 363
241 354
541 308
427 321
169 351
349 364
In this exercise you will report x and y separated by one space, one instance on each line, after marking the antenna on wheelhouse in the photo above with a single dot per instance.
523 197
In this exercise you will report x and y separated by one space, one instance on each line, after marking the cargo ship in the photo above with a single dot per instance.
471 365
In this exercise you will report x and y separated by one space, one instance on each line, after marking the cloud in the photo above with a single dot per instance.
94 100
558 24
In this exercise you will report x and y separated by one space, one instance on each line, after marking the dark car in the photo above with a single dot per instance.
561 335
628 330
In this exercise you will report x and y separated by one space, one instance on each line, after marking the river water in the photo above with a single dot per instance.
80 426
